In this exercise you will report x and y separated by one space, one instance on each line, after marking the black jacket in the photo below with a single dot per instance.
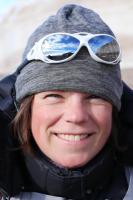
14 176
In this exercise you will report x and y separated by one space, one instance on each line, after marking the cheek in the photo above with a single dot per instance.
39 118
36 121
39 125
42 118
103 117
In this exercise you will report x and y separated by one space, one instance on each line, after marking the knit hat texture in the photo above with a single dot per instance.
82 73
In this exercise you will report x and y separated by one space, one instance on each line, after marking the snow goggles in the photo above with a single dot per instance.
62 47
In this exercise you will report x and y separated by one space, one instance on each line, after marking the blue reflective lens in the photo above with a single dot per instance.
59 46
104 47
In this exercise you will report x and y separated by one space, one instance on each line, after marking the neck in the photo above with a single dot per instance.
70 183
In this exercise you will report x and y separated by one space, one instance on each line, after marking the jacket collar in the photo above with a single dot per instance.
50 179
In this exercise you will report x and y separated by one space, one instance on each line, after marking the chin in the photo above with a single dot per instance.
73 163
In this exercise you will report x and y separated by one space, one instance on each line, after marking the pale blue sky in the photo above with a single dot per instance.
4 4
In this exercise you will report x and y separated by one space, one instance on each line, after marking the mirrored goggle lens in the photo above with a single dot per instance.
105 47
59 47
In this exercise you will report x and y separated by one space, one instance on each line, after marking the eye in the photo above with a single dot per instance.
95 99
53 98
93 96
53 95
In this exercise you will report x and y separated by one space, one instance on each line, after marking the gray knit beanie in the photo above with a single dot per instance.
82 73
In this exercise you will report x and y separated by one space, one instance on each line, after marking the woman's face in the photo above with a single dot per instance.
70 127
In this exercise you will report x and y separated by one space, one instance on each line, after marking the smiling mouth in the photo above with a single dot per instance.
72 137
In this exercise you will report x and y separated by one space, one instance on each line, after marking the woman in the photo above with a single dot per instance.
68 94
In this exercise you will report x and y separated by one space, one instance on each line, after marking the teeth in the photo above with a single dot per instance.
72 137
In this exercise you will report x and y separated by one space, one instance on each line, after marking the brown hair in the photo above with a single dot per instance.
21 124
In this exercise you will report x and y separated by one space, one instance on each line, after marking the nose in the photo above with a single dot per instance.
76 112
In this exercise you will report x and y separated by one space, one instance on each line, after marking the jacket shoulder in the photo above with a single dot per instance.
7 93
129 175
126 125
